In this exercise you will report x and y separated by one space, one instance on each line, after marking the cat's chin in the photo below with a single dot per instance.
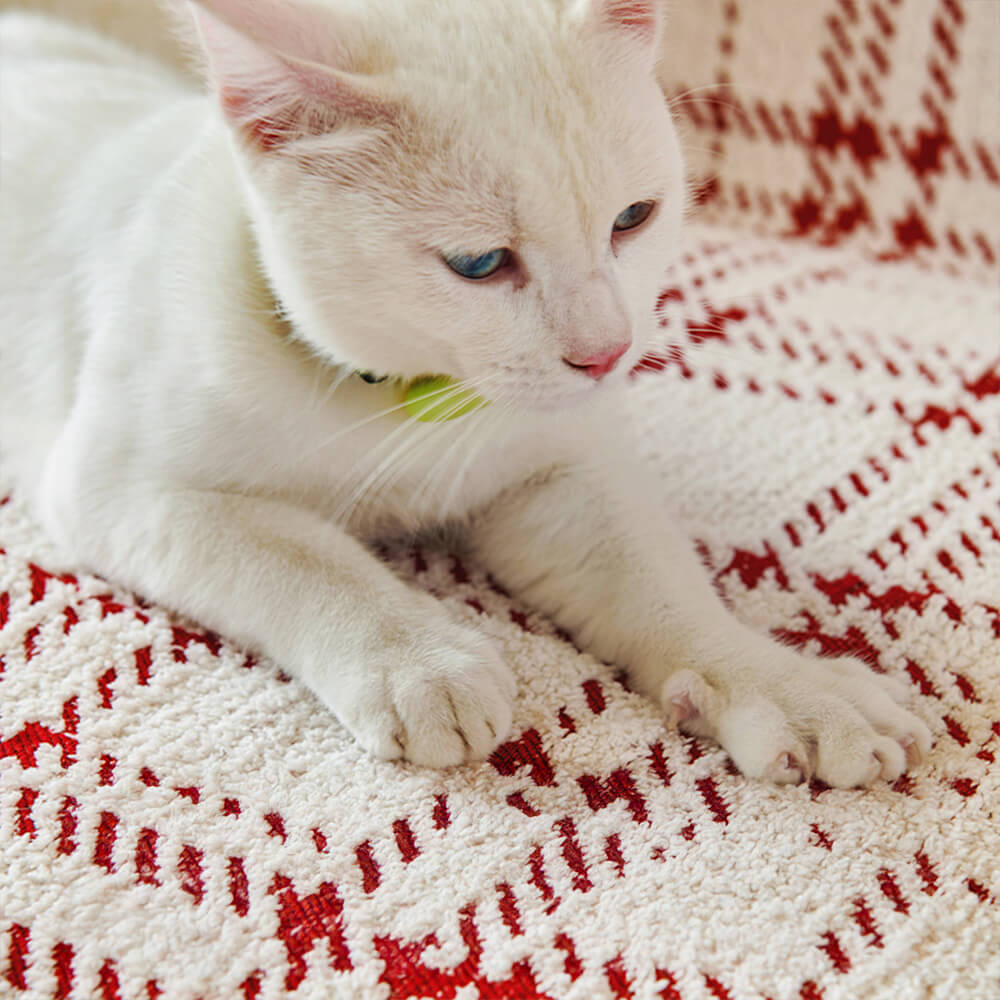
555 397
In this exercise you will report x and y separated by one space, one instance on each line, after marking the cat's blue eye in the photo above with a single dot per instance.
478 267
634 216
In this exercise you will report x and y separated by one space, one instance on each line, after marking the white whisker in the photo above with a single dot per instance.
403 451
479 444
471 384
439 468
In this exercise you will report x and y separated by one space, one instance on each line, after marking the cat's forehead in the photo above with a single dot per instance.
515 104
412 30
519 125
507 60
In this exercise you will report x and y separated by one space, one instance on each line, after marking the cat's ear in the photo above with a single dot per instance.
281 71
637 22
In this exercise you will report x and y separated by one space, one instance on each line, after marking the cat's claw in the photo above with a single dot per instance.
913 750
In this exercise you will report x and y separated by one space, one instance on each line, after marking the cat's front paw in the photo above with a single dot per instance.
790 717
439 697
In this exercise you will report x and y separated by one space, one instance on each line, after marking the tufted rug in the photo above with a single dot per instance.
179 820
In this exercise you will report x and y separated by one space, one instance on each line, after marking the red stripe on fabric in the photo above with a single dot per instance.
104 687
536 864
613 852
107 833
371 874
146 864
890 889
509 912
190 872
658 764
405 840
107 978
67 825
572 852
518 801
716 804
62 967
441 814
239 888
17 956
25 824
618 980
572 965
865 920
143 662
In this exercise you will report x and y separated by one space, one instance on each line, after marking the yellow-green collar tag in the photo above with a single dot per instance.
435 398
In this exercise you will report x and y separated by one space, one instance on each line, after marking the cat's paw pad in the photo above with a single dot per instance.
437 703
796 717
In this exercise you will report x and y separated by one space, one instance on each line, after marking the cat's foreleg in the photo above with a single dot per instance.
404 678
611 568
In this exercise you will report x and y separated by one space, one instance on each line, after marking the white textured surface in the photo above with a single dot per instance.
703 884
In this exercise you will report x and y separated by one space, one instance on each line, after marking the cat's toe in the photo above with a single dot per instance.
691 703
858 767
892 757
762 744
375 724
880 700
851 753
788 768
481 721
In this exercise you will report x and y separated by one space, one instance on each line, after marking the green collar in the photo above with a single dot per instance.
432 398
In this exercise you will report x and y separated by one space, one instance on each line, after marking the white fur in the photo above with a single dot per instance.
186 295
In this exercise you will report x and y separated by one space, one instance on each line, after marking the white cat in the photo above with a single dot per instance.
196 289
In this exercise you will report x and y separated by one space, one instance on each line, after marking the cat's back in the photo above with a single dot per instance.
65 90
72 107
85 124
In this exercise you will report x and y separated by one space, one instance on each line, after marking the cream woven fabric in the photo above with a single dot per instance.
176 817
869 122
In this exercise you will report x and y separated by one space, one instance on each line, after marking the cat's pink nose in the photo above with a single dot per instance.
598 365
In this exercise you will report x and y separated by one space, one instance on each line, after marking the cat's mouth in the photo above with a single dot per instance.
441 398
561 393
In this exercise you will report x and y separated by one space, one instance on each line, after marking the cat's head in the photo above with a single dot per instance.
488 189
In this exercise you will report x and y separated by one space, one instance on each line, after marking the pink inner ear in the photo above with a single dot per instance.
638 16
305 100
274 98
238 106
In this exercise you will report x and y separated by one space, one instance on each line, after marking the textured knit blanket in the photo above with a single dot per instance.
180 820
